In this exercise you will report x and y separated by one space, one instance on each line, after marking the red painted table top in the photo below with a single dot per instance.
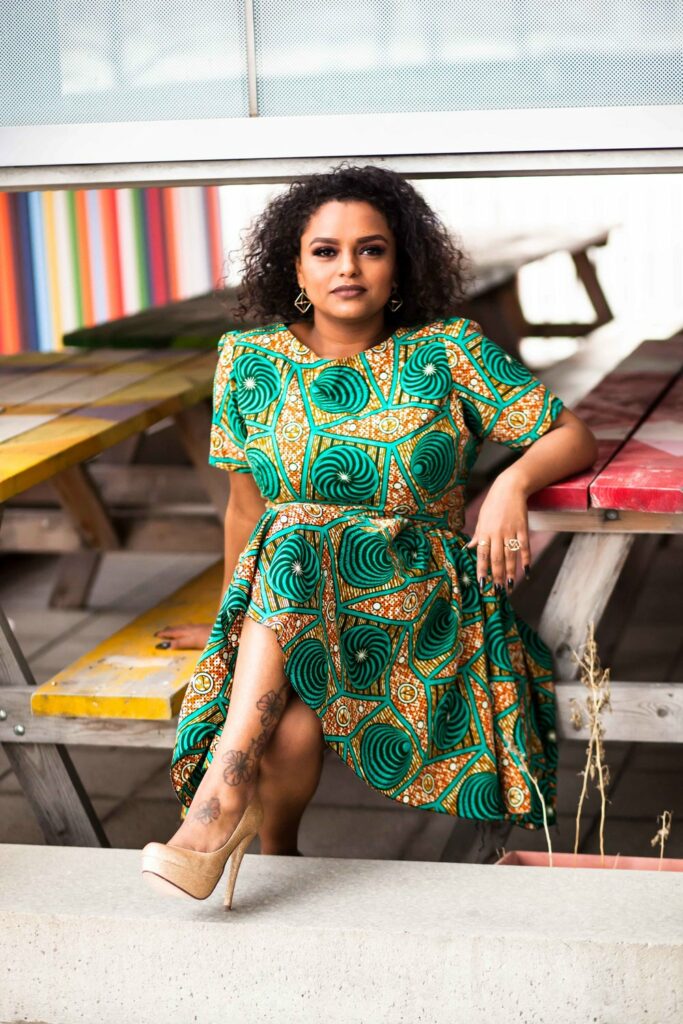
636 413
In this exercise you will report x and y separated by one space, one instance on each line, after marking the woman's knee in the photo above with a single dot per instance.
299 736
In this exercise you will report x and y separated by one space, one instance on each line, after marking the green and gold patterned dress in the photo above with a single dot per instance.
436 694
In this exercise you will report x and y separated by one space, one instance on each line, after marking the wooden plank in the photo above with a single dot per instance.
43 531
20 367
82 433
66 392
641 712
15 702
49 377
127 675
613 410
646 475
497 258
129 486
51 532
598 520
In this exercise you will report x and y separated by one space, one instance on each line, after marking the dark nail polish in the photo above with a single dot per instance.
482 582
164 645
498 587
527 572
511 582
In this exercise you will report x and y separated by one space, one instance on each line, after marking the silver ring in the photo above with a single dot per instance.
513 543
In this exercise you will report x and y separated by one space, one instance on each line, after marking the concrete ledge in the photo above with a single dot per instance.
310 940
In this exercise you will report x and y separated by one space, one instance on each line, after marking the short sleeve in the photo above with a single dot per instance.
228 429
502 400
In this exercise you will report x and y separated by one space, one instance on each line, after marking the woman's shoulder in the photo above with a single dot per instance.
455 332
246 336
458 327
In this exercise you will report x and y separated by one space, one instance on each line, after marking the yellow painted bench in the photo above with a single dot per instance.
127 675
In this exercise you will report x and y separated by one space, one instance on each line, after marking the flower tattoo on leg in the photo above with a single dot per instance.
271 705
207 811
239 767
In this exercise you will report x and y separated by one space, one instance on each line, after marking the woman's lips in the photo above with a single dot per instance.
349 291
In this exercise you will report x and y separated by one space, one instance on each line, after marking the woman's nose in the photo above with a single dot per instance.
349 262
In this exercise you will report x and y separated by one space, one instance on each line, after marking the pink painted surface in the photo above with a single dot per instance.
534 859
613 410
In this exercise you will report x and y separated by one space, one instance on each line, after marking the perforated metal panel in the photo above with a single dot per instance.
371 56
94 61
98 61
180 90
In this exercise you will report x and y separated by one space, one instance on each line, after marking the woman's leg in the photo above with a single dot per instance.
260 691
289 775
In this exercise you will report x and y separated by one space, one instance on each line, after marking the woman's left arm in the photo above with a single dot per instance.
567 447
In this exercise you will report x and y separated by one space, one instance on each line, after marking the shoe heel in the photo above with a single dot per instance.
235 861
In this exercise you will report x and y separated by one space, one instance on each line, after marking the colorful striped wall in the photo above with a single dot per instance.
72 259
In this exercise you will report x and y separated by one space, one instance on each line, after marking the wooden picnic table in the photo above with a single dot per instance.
632 493
498 258
57 410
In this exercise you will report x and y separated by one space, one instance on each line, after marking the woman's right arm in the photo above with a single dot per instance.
244 508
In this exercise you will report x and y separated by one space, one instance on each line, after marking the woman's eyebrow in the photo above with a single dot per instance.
365 238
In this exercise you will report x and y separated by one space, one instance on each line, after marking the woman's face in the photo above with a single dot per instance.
347 243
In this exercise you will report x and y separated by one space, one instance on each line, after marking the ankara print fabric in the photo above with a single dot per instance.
436 694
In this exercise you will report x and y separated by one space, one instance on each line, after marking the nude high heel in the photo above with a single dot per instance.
193 874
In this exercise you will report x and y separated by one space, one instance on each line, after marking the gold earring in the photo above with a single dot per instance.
395 303
302 302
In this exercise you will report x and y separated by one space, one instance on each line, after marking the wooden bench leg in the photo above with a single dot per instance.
587 577
46 772
81 501
587 274
75 577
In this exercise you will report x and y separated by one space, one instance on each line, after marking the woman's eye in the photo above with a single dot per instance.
366 248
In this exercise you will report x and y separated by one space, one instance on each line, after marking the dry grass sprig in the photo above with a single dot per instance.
596 681
662 834
517 753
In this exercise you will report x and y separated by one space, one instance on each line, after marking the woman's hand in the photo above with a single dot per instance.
183 637
503 515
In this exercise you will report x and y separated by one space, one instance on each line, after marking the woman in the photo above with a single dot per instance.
364 617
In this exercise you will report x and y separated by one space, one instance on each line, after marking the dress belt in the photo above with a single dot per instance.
400 512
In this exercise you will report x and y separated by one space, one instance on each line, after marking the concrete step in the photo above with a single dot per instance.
321 939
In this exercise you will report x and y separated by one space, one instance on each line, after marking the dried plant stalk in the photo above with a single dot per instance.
517 753
662 834
596 681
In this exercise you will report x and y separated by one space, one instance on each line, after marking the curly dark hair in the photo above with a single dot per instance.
432 272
